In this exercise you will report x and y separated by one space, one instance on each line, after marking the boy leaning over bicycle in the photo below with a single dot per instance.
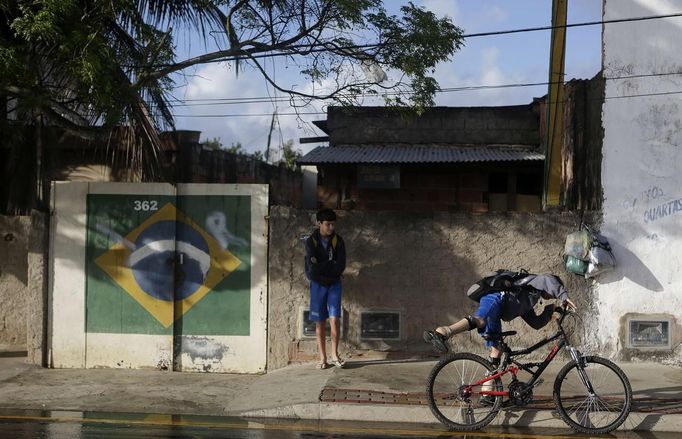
517 298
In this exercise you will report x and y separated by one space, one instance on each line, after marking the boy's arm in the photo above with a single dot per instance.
311 266
538 321
341 257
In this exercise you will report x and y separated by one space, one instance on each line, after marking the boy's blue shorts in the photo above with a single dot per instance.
325 301
490 310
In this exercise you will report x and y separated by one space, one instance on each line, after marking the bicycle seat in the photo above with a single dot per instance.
498 335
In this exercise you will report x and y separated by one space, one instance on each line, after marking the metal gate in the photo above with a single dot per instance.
173 277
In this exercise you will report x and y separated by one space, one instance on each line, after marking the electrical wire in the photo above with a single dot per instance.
310 48
639 95
272 100
252 100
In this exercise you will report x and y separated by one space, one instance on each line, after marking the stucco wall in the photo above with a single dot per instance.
13 279
642 156
417 264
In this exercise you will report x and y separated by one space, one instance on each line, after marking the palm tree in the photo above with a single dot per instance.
90 66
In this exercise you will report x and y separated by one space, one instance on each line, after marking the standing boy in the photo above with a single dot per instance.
325 261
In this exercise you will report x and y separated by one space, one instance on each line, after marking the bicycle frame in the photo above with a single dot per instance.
508 357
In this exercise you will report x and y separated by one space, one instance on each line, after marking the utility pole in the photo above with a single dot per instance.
555 106
272 127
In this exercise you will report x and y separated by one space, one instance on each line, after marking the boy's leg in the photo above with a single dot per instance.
438 336
334 311
318 314
334 325
462 325
321 336
490 311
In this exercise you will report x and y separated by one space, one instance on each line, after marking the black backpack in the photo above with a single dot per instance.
500 280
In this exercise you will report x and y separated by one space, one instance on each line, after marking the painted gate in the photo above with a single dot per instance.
162 276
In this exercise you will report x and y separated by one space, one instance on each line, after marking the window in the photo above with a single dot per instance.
529 183
497 192
497 182
380 325
378 177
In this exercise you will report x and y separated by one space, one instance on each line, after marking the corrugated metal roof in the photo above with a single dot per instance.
397 154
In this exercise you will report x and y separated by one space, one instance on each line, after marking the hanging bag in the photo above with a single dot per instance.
588 253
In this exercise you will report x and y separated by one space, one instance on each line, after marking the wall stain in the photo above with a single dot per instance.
203 348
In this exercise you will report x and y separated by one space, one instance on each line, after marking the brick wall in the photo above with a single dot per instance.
453 125
200 165
444 188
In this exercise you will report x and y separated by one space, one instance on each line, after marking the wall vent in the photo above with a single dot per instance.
380 325
306 327
651 334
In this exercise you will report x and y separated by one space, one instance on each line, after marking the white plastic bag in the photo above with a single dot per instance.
578 244
601 261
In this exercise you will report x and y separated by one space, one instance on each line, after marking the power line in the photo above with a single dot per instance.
639 95
251 100
644 95
249 114
569 25
311 48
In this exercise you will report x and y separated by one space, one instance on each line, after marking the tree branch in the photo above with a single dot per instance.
332 95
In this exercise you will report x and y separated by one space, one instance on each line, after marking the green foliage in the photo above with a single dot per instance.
414 45
290 155
81 64
214 144
258 155
236 148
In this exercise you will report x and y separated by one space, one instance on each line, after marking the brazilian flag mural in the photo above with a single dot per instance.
167 265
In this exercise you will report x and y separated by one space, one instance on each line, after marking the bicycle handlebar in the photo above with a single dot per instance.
563 311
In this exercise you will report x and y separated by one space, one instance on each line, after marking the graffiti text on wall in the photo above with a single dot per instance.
663 210
647 195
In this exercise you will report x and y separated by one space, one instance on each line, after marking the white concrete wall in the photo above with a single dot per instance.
72 347
642 158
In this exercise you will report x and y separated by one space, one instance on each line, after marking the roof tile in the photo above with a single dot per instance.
416 154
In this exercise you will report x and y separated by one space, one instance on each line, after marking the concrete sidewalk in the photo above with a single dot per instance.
368 389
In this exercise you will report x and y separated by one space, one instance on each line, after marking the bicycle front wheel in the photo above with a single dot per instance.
454 396
595 398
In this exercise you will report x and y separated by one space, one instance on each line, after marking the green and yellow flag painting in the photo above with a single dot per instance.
164 264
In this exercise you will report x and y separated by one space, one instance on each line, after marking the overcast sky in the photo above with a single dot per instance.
519 58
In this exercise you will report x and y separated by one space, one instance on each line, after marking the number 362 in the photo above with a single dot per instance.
145 205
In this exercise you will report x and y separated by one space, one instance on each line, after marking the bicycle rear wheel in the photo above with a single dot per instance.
453 397
597 412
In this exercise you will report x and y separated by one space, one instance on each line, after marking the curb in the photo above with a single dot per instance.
518 418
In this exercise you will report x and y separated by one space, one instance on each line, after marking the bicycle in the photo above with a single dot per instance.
591 394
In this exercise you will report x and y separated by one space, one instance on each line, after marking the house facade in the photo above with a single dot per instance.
458 159
639 305
446 159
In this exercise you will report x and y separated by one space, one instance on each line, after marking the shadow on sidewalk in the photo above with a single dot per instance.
661 392
354 364
13 354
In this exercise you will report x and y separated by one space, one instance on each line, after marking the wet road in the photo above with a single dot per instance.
77 425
